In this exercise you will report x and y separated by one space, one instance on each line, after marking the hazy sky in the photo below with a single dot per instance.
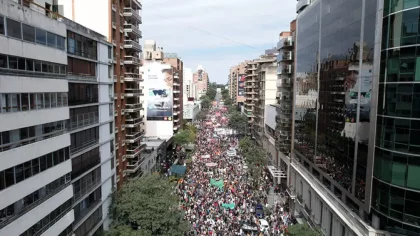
216 34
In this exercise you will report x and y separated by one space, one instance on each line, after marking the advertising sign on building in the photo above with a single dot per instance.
160 97
241 85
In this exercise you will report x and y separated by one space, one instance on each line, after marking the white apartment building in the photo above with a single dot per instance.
189 88
57 116
35 172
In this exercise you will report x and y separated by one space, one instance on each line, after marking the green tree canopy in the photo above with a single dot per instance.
225 94
205 101
146 206
301 230
238 122
185 136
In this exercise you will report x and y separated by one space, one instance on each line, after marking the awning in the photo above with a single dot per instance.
178 169
276 173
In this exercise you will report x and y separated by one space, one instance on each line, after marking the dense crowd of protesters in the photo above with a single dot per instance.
216 192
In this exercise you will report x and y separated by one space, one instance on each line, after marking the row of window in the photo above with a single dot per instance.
15 102
84 162
85 184
391 6
82 93
82 208
91 222
397 168
30 65
23 136
20 172
67 231
16 29
81 46
22 204
44 224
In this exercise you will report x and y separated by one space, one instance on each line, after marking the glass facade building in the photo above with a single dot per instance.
396 181
333 86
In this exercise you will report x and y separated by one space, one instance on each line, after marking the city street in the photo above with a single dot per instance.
216 194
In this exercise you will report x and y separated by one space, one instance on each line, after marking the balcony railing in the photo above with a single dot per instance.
27 141
132 44
6 221
130 12
131 60
83 120
73 101
133 30
128 77
90 186
86 211
81 77
51 223
133 107
75 149
129 92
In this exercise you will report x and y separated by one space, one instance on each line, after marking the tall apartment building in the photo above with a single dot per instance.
265 92
201 81
395 112
251 95
188 85
284 107
119 21
237 76
164 111
178 85
56 113
329 170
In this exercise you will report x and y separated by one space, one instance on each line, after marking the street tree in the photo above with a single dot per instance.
184 137
245 144
238 122
301 230
206 103
228 101
146 206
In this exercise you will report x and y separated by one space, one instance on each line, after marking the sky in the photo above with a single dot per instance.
216 34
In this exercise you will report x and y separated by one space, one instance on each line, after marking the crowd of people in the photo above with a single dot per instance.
216 192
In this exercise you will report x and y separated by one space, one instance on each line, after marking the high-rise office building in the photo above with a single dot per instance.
118 20
329 174
56 113
395 197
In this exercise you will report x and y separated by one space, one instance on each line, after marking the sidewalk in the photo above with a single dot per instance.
272 197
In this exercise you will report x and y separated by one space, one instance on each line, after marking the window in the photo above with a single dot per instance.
64 98
53 97
25 101
59 100
13 62
51 40
47 100
38 66
41 36
60 42
110 128
110 72
62 69
29 65
109 53
39 104
28 33
3 61
21 63
14 28
2 31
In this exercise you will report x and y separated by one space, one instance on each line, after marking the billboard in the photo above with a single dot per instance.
160 97
241 85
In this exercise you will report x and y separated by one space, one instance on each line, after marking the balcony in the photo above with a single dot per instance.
134 3
284 70
133 152
114 8
285 43
131 44
133 14
285 57
81 77
130 108
134 166
83 120
132 77
75 149
131 60
132 122
284 83
132 30
133 137
130 92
